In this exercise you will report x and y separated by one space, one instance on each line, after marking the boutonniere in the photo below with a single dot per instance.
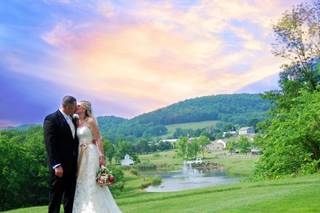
75 116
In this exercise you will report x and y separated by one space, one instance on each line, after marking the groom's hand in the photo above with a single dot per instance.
58 171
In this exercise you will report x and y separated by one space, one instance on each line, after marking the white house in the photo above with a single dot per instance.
255 151
127 161
246 131
217 145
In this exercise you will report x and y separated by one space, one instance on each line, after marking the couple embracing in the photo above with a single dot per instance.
75 153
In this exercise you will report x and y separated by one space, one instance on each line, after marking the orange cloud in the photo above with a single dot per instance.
168 54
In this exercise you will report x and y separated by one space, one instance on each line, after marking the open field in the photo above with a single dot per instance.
191 125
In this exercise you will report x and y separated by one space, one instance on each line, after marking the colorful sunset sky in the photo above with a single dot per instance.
131 57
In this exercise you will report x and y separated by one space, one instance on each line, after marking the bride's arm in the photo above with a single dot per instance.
98 140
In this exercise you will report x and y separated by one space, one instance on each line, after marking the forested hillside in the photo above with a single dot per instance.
235 109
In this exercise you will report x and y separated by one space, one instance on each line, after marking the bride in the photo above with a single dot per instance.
89 196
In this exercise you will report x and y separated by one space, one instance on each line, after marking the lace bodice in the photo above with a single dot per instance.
84 134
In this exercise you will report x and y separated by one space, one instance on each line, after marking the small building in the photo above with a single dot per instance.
127 161
255 151
217 145
246 131
229 133
173 140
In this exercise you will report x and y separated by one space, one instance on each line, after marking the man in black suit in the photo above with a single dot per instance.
62 148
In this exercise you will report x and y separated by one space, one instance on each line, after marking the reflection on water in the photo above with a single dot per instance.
190 178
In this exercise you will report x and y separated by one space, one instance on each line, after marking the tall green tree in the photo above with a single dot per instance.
231 145
181 147
298 42
244 144
290 137
203 142
109 150
121 149
291 140
193 148
188 148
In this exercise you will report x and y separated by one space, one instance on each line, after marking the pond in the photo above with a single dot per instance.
190 178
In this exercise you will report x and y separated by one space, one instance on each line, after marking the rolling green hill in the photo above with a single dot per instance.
230 108
235 109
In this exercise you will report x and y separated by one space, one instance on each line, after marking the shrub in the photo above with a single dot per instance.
119 184
134 171
146 166
156 155
147 181
156 180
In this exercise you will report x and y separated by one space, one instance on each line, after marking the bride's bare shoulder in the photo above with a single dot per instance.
91 121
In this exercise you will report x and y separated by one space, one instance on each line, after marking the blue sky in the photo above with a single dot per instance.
131 57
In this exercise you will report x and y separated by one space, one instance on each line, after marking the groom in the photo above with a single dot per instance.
62 148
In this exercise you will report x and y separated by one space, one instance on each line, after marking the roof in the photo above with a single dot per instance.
245 128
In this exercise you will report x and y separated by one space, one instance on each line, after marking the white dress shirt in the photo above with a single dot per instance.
70 123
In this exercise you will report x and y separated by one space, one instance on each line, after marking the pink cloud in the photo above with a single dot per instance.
7 123
165 54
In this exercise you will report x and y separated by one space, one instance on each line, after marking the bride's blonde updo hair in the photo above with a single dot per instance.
87 106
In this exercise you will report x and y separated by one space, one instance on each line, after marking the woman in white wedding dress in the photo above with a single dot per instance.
89 196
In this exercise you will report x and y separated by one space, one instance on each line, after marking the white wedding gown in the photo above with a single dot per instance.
89 196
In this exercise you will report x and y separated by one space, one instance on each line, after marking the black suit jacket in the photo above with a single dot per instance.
62 148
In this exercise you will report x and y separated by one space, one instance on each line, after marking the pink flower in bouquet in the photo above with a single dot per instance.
111 179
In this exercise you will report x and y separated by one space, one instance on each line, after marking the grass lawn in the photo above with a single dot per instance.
191 125
286 195
300 194
236 164
164 160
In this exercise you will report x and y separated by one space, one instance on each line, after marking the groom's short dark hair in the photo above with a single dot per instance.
68 100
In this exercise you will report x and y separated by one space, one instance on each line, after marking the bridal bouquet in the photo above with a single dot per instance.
104 177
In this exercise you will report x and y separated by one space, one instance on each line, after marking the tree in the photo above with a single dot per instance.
203 142
181 147
122 148
164 146
298 41
109 150
193 148
23 168
188 148
291 140
244 145
231 145
142 146
290 137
